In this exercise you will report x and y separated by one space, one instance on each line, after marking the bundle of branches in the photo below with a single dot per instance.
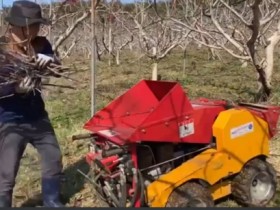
14 67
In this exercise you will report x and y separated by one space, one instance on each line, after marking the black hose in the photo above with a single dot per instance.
139 185
142 186
111 152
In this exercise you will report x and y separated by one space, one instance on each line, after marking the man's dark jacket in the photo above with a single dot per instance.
24 107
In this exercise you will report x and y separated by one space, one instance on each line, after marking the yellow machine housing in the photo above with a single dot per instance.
235 146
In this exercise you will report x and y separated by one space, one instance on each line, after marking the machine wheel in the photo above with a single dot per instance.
190 194
256 184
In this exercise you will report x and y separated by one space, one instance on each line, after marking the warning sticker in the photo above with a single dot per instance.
186 128
108 133
242 130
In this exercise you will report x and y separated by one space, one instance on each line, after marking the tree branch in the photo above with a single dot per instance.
69 30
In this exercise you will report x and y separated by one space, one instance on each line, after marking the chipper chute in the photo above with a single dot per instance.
154 147
154 111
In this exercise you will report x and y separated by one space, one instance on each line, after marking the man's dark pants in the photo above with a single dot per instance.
14 138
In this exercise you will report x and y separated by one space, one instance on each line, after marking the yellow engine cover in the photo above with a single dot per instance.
240 136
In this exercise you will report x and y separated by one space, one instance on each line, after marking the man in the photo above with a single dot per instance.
23 118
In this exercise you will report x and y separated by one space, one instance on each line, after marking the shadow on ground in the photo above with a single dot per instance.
72 184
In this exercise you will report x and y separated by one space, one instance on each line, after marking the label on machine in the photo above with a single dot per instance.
186 128
241 130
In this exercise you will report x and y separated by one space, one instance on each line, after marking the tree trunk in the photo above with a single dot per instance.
185 61
244 64
110 42
264 90
130 46
155 64
266 70
118 57
155 70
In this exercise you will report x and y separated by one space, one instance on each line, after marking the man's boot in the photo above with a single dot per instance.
51 192
5 201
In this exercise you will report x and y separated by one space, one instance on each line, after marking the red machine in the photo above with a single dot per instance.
151 119
156 112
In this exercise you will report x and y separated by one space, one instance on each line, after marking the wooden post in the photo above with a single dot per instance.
50 27
2 17
93 59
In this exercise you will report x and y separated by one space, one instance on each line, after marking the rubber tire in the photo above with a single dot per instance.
242 182
187 194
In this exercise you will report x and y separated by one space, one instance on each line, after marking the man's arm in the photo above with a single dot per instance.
7 90
42 46
45 54
47 50
23 86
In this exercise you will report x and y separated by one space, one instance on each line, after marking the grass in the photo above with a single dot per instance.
70 109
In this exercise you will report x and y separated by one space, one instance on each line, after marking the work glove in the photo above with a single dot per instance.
26 85
43 61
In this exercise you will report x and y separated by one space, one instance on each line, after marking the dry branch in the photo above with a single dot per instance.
15 67
69 30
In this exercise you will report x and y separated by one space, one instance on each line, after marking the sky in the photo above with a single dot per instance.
10 2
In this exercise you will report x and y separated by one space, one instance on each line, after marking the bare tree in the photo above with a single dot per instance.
115 34
66 18
242 30
157 35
